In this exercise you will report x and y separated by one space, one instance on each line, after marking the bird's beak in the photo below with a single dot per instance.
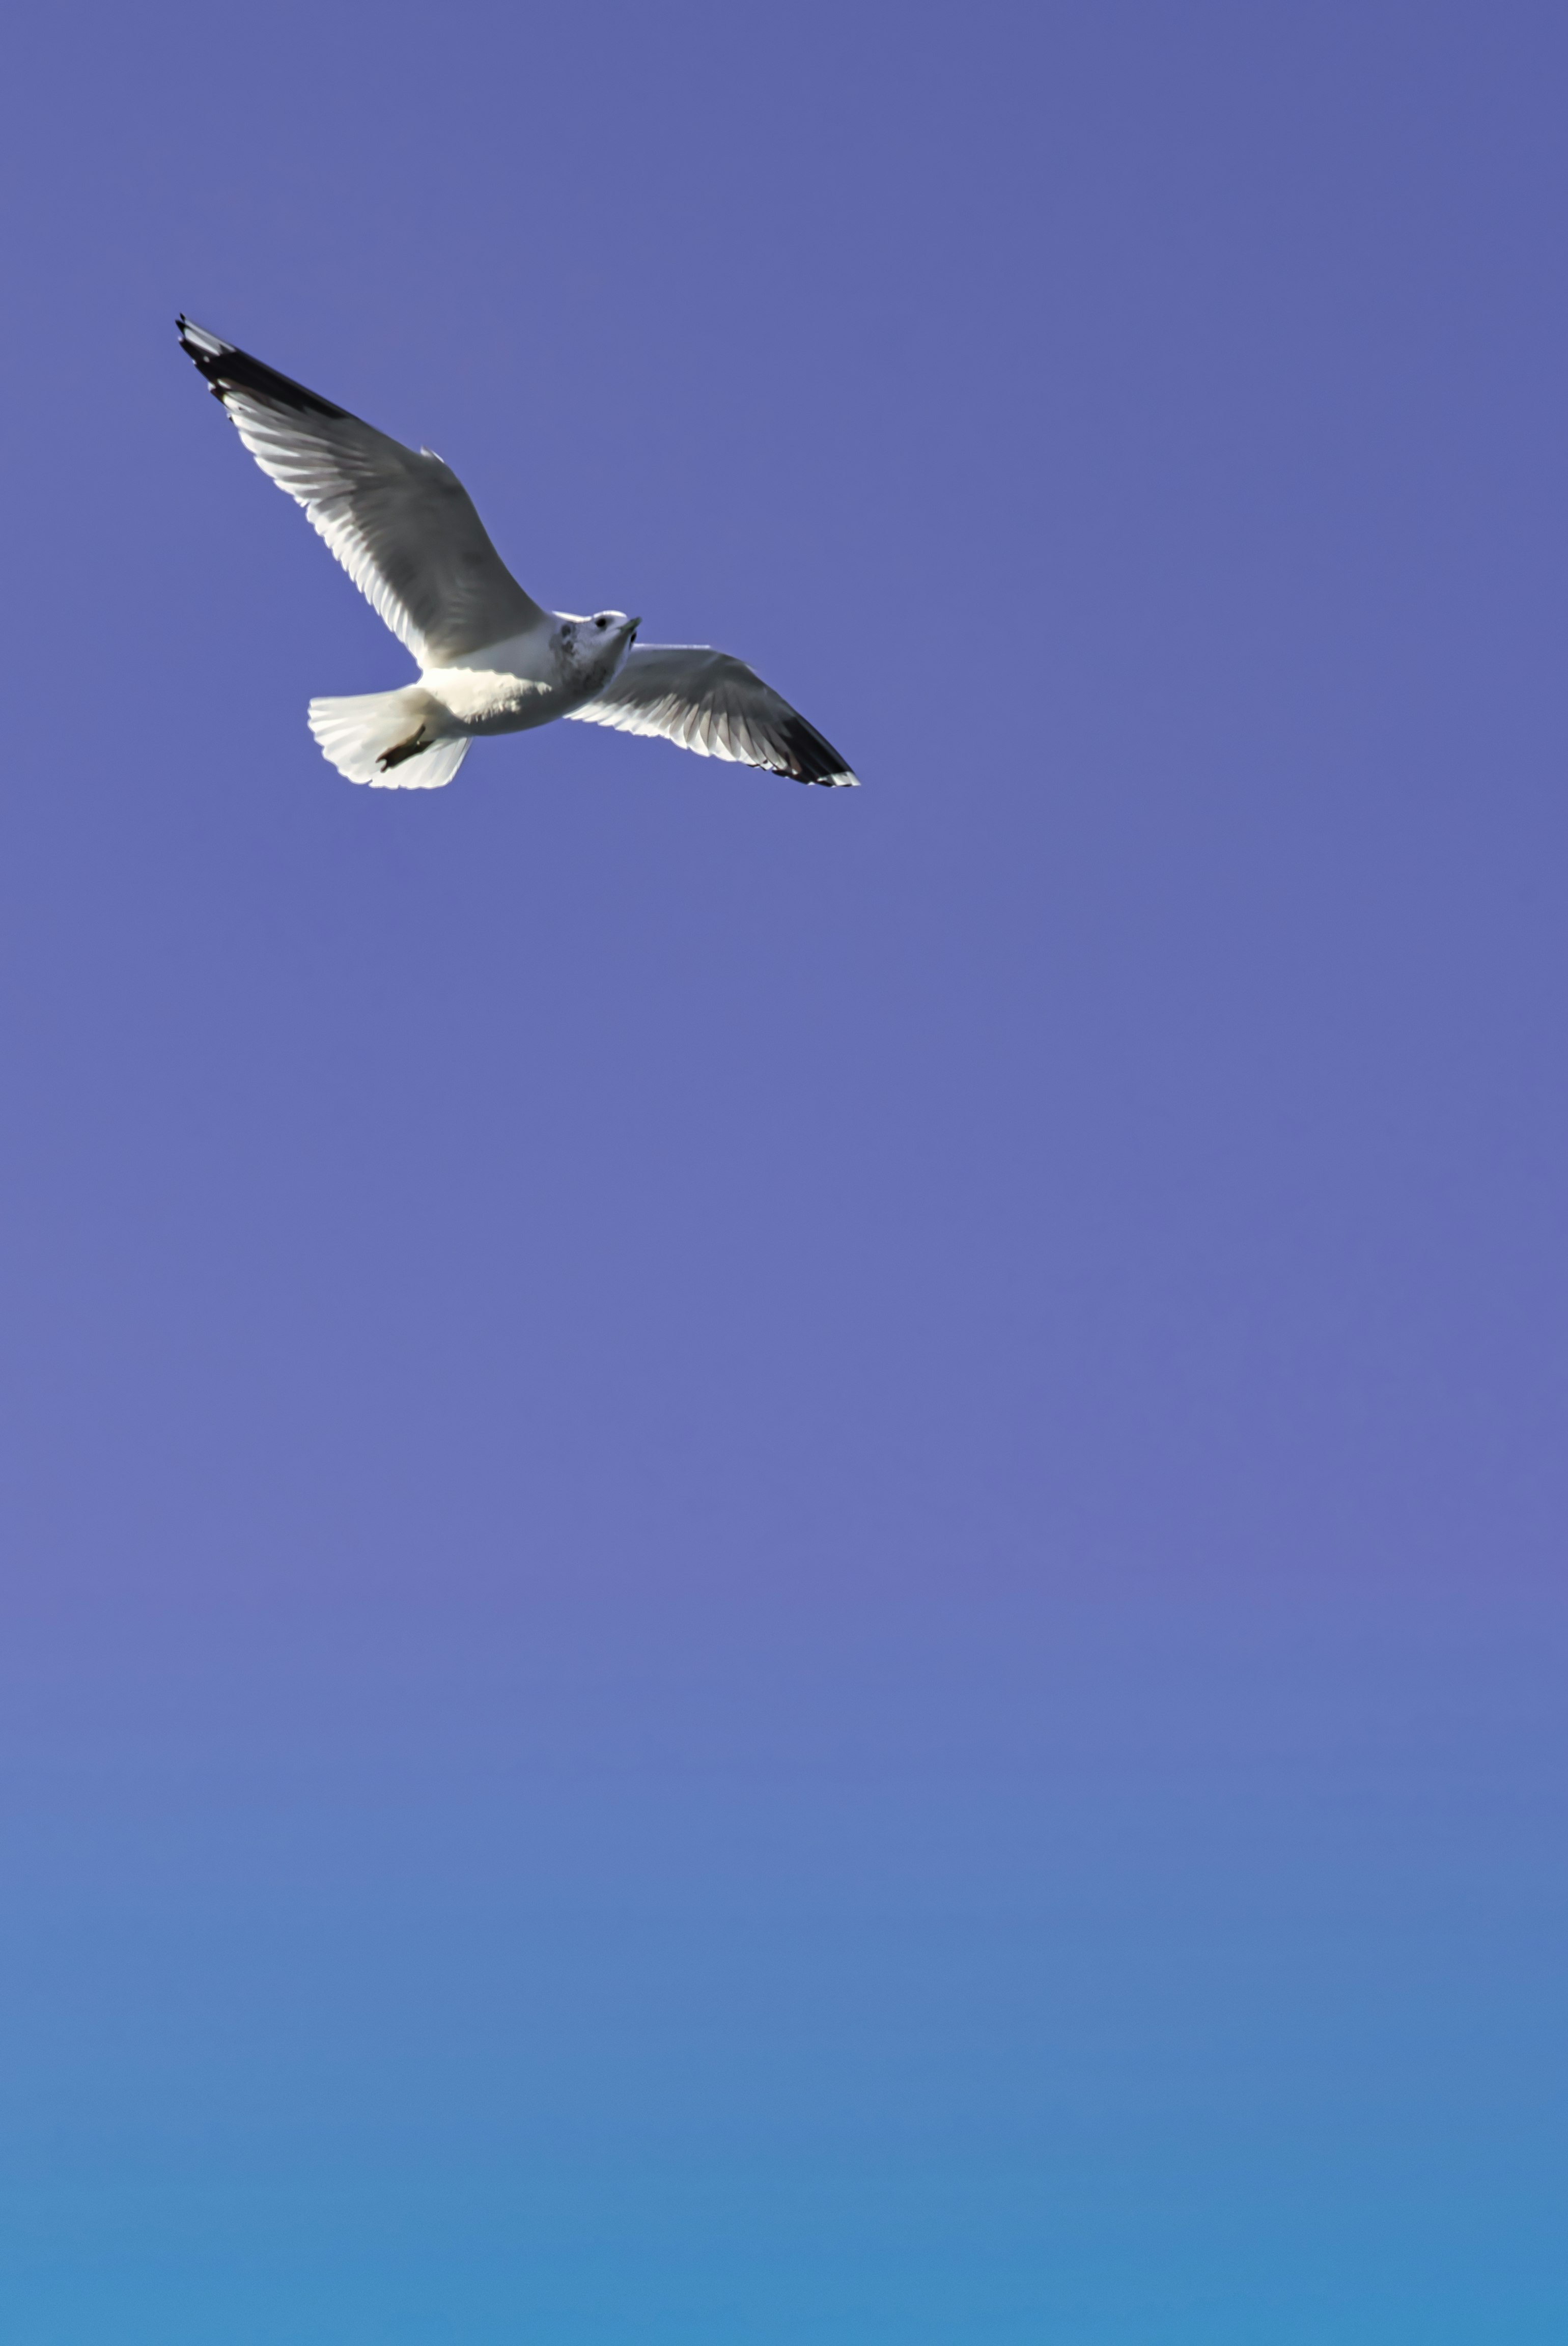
630 630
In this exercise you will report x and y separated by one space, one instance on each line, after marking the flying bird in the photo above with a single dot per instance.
490 659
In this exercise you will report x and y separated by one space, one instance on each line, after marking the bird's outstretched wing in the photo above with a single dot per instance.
710 702
401 523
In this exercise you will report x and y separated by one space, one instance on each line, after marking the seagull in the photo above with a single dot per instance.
490 659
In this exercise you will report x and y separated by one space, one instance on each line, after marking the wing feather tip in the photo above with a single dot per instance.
226 368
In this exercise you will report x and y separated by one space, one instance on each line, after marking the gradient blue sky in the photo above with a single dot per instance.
784 1567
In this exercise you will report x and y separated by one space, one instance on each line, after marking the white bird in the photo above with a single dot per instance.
490 659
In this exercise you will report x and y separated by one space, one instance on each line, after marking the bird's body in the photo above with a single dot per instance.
490 659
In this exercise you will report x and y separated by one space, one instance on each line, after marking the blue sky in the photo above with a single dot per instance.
788 1566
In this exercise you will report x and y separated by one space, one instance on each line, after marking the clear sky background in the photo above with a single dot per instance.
788 1567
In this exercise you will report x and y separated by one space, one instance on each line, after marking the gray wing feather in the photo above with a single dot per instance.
401 522
713 703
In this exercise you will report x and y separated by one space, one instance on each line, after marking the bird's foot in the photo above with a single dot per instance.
402 749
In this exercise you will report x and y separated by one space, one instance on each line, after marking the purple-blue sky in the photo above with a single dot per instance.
785 1566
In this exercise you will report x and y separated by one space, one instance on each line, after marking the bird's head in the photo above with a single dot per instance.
597 647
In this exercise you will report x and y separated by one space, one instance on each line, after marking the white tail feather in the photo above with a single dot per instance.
356 733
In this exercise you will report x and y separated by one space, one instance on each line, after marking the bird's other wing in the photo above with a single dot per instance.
401 523
708 701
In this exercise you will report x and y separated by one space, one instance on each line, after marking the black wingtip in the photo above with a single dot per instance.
224 369
813 759
204 350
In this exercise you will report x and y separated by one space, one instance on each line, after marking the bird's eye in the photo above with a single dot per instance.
601 621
